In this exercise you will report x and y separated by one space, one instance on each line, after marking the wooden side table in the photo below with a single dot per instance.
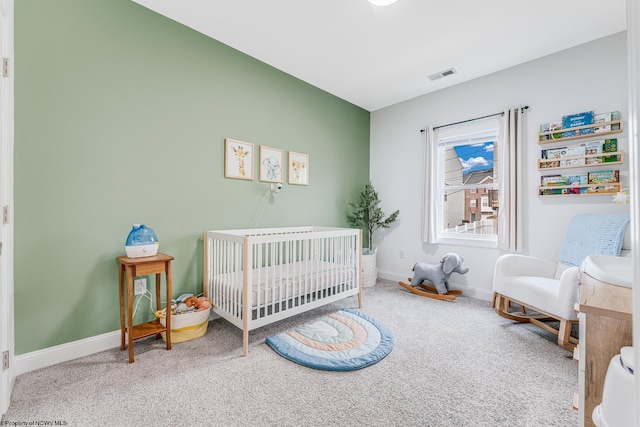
607 312
134 267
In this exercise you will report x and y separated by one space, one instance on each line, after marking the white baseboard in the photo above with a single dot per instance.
61 353
478 293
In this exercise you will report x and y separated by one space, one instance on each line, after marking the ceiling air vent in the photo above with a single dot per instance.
442 74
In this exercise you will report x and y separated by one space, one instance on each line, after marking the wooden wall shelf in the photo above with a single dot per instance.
542 139
618 154
612 189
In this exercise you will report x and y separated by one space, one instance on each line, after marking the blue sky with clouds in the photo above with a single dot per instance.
475 157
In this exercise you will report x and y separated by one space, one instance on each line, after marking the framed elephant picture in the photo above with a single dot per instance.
271 163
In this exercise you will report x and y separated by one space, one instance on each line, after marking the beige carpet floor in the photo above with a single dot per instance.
454 364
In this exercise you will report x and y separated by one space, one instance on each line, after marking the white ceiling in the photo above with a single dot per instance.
376 56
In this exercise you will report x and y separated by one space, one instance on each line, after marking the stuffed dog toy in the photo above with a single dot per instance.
437 274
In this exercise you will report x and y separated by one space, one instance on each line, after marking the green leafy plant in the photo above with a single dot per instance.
366 213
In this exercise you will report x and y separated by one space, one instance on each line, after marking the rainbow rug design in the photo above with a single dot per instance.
346 340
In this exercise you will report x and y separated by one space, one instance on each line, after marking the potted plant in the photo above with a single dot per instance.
367 214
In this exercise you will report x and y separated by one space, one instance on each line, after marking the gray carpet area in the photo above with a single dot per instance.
454 364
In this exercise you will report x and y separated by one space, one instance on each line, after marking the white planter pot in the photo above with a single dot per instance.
369 270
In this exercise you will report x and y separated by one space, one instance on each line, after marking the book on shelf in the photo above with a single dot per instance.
578 183
549 128
551 154
577 132
576 120
603 180
615 116
602 118
570 184
573 151
553 181
552 191
591 148
610 146
587 122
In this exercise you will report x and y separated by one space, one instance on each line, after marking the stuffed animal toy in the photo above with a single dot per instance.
204 303
438 275
192 302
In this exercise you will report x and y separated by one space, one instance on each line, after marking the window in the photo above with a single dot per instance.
467 185
453 169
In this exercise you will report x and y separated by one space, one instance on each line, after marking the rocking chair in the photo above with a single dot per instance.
550 288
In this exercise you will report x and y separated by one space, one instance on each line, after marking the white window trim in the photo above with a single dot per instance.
475 131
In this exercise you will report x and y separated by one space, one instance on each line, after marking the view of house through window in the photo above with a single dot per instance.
469 184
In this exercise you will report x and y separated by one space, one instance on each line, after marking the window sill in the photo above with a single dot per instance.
466 241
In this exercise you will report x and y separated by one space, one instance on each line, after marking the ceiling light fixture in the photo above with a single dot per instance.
382 2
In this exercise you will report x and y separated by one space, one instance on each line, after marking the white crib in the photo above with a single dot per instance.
255 277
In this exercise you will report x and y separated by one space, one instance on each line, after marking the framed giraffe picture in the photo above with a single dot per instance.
238 159
298 168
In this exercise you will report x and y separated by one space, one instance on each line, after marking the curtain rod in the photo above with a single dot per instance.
526 107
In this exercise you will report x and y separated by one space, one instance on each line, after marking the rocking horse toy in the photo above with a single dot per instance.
438 275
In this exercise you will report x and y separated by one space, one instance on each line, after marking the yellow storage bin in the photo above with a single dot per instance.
187 326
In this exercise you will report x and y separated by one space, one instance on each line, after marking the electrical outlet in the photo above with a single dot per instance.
140 286
402 253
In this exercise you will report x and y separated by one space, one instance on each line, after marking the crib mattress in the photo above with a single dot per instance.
283 282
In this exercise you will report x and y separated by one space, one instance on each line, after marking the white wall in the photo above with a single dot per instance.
592 76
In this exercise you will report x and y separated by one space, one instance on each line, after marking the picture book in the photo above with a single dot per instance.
553 126
603 128
577 132
615 115
602 178
591 149
579 182
575 120
610 146
574 151
552 191
552 154
553 181
544 128
544 164
602 118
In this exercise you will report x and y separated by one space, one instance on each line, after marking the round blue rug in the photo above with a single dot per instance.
343 341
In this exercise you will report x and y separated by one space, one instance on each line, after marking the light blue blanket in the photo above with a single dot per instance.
593 234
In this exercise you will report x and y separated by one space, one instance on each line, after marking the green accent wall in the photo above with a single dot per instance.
120 118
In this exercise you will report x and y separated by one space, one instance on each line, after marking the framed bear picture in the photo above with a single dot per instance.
298 168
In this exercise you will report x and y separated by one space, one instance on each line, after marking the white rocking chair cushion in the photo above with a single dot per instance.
532 282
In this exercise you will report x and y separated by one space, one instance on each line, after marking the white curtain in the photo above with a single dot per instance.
510 182
429 233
